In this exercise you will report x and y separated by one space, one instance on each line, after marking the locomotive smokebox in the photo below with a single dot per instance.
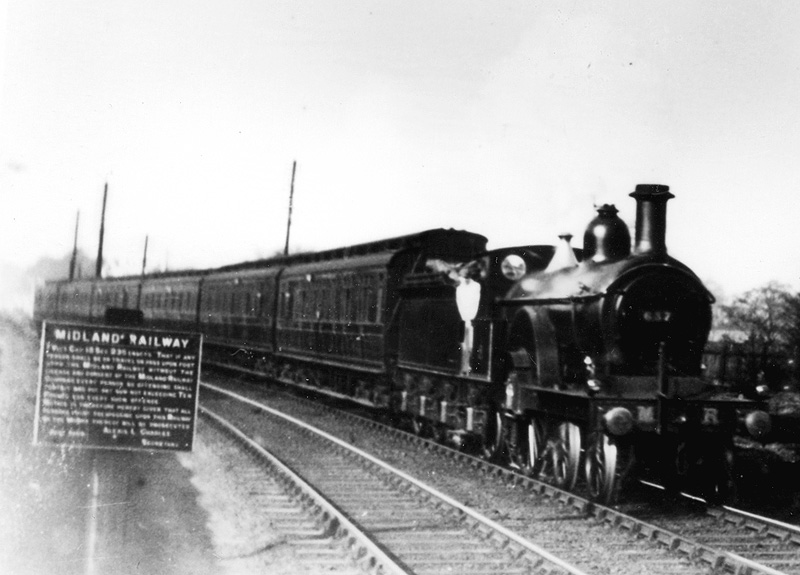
651 219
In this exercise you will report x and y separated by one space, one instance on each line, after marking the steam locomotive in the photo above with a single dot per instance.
551 358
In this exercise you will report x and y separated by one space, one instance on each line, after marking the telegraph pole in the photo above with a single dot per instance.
74 260
291 199
99 267
144 258
141 281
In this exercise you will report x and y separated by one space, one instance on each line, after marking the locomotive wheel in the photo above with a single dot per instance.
527 454
601 469
565 454
493 444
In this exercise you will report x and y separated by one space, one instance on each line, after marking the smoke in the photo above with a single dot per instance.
18 285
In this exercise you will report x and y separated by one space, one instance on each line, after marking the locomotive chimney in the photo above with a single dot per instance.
651 219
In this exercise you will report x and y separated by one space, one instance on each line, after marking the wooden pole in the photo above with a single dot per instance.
74 259
141 280
144 258
291 199
99 266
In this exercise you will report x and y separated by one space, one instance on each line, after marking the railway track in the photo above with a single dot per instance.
752 543
287 515
423 530
666 543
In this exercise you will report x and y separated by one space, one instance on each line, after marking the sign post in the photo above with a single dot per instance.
116 390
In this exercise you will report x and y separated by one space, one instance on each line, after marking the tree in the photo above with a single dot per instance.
793 333
769 317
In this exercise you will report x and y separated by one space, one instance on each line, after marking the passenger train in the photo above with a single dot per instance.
563 362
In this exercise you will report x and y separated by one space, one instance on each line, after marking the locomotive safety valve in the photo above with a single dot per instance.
618 421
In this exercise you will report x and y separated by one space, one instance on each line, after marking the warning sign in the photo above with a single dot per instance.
117 388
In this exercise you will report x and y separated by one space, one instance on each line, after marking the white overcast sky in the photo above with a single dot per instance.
510 119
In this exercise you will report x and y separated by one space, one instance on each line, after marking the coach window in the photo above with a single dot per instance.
313 304
320 297
372 307
286 304
298 305
296 296
347 311
328 307
303 295
309 303
338 303
323 308
359 307
316 310
289 304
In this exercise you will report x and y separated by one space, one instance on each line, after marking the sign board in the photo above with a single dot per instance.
117 387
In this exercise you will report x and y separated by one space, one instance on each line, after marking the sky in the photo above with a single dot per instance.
509 119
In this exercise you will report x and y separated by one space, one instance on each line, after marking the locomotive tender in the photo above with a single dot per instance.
554 363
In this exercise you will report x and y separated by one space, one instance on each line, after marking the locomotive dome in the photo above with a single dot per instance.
607 237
